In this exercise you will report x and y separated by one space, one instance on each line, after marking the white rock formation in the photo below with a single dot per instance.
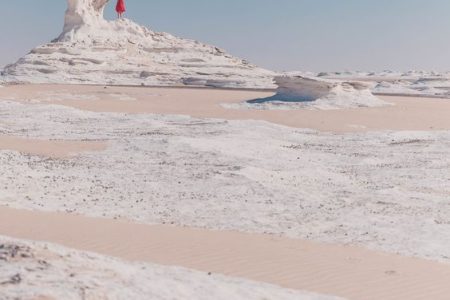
96 51
83 12
411 83
317 93
299 88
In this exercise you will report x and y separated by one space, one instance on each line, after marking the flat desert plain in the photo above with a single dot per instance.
349 203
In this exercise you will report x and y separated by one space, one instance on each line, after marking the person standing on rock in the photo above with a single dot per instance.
120 8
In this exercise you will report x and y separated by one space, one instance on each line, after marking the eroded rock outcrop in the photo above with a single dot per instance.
317 93
96 51
83 12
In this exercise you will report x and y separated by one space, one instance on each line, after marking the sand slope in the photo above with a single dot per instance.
349 272
39 271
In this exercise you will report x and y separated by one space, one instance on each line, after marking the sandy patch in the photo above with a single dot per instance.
42 271
55 149
344 271
407 113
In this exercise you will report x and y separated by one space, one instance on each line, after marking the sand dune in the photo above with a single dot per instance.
350 272
407 113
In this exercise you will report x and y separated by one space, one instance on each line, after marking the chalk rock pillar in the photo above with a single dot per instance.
83 12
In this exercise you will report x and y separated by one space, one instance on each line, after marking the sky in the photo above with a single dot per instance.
283 35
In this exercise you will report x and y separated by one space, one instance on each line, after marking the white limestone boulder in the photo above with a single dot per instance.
316 93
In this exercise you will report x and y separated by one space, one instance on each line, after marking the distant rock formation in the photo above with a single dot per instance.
93 50
299 88
318 93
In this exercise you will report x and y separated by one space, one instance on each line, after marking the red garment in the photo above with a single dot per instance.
120 7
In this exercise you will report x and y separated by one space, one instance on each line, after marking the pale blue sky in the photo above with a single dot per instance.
316 35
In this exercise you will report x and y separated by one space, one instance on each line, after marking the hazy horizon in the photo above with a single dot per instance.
319 35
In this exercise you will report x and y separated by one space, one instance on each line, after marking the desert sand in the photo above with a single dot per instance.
319 190
349 272
43 271
50 148
407 113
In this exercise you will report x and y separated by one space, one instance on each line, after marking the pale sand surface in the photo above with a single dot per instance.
51 148
408 113
37 270
350 272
